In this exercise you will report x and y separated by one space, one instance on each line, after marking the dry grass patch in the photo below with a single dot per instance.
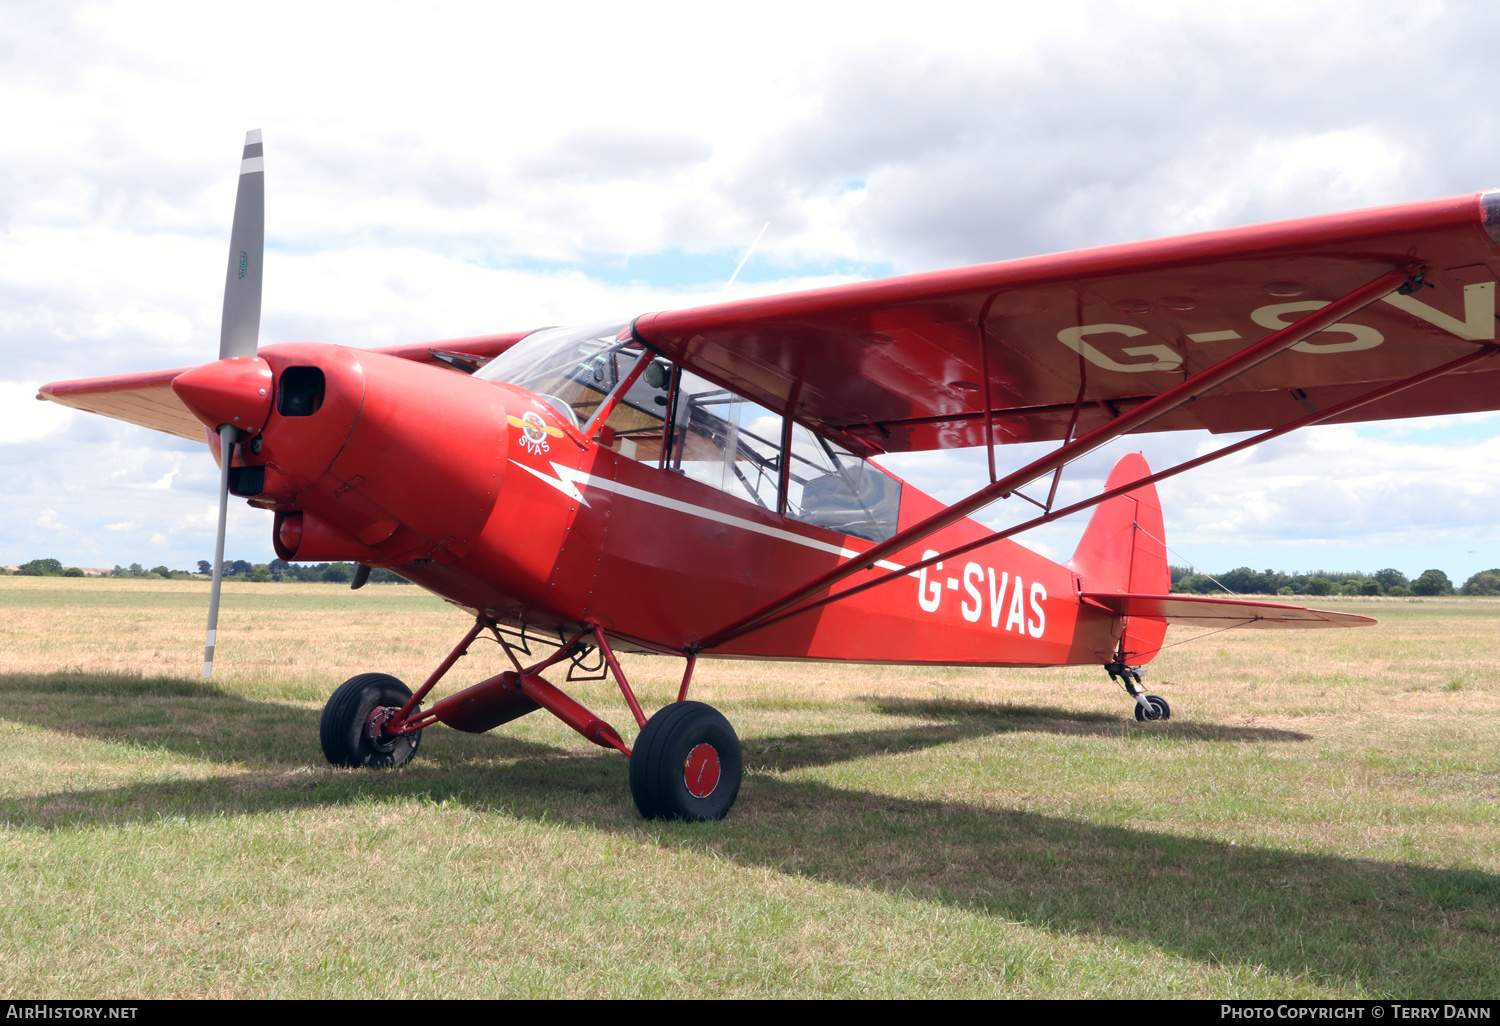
1318 819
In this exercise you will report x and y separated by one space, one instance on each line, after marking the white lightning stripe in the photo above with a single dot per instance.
252 164
563 482
626 491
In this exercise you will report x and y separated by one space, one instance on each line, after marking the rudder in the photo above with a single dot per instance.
1124 550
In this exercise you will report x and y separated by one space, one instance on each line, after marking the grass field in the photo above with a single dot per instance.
1321 817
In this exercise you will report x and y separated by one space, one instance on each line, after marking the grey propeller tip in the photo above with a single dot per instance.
252 160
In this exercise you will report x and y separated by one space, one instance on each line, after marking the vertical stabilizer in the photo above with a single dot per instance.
1124 550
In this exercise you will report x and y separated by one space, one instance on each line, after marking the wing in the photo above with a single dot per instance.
1202 611
147 399
896 364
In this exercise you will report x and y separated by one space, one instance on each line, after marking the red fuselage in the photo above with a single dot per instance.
448 480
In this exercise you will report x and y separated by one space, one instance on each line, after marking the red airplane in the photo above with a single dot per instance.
697 482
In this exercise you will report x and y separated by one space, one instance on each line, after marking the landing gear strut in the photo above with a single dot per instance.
686 763
1147 707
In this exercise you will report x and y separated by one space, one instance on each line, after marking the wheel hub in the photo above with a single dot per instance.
375 727
701 770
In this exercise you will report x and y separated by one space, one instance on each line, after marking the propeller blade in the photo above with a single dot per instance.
239 335
239 330
226 456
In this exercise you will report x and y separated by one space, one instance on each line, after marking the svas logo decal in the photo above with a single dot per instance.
534 431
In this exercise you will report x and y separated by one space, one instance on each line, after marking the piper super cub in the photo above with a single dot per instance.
697 482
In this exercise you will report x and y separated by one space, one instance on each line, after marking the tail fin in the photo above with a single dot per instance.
1124 550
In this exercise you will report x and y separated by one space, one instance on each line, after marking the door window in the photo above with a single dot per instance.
830 487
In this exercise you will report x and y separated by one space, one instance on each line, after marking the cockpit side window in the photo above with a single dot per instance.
636 422
725 441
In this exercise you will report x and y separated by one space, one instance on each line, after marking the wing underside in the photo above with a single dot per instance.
145 399
897 364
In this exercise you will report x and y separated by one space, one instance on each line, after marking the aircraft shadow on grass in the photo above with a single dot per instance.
1387 927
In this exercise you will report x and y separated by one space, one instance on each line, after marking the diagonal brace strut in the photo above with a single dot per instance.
1205 380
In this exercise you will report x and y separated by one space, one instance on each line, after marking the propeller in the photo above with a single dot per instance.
239 335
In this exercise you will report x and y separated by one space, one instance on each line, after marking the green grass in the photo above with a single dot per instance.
1319 819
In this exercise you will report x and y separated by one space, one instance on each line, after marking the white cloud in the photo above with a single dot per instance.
620 159
164 482
1041 548
24 419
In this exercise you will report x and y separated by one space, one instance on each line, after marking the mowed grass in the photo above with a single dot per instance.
1318 819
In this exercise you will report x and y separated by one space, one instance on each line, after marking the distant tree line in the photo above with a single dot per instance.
1245 581
276 570
281 570
48 568
1241 580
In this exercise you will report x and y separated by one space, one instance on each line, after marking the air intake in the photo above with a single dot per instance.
299 393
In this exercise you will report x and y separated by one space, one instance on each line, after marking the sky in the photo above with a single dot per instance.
444 170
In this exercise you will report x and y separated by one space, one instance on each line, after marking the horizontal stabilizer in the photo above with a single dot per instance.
146 399
1201 611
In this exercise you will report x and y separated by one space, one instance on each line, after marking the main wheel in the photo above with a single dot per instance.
686 764
352 719
1160 710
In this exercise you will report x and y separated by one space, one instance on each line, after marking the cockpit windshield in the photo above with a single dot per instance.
571 368
672 418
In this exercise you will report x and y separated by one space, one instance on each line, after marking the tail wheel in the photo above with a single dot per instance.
352 721
1160 710
686 764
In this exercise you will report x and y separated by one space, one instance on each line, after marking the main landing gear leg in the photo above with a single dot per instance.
686 763
1147 707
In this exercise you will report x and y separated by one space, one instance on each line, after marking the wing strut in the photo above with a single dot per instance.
1205 380
1228 450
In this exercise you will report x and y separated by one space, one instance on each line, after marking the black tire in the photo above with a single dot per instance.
1159 706
682 740
346 717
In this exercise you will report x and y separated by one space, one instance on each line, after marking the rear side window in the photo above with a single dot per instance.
830 487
